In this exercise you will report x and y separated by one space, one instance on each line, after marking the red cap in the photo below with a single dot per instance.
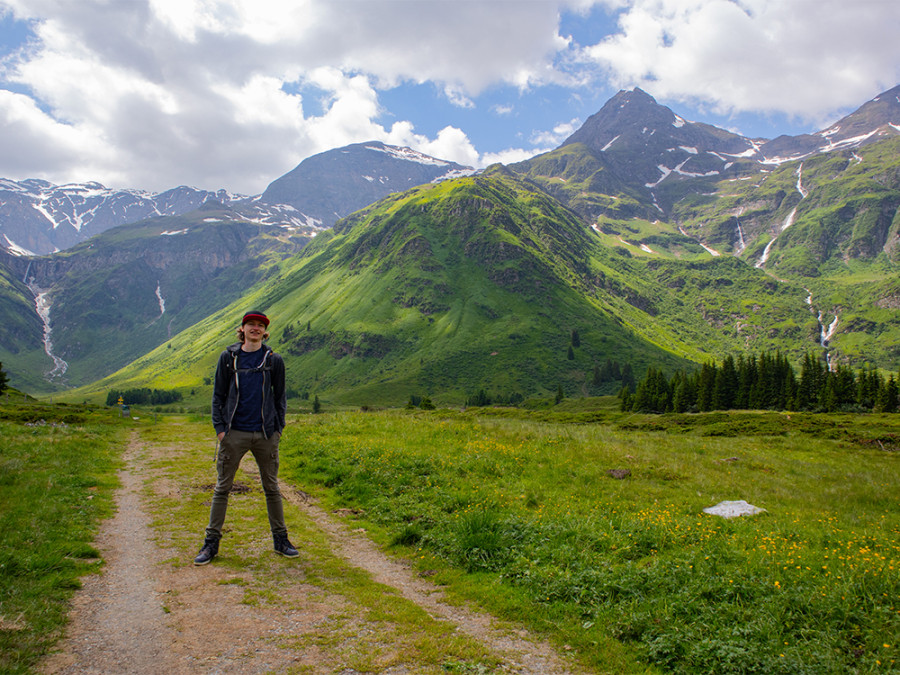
258 316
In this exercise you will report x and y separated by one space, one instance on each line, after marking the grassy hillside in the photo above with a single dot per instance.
479 283
827 227
21 333
449 288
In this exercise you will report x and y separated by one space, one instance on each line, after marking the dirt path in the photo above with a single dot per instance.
117 622
150 611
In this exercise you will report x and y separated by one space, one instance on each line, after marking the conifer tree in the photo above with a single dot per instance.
571 354
625 399
4 380
844 386
652 394
576 339
726 385
706 387
628 377
811 381
615 370
746 378
867 385
892 396
886 399
684 392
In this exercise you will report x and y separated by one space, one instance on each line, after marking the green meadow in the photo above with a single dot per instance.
517 512
58 469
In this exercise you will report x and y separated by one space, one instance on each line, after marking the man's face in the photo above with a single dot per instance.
254 330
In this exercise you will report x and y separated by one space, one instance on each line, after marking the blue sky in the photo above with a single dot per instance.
151 94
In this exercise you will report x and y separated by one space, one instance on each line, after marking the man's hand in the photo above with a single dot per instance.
220 436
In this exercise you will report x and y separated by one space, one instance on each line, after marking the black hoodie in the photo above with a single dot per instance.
225 391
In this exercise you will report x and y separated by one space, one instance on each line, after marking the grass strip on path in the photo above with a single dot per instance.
328 607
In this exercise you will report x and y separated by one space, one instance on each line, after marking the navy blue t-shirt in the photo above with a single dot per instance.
249 416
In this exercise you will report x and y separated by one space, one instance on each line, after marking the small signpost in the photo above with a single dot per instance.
125 410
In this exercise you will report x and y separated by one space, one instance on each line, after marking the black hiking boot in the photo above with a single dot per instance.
284 547
209 551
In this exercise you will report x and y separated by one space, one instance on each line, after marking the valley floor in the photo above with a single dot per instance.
343 606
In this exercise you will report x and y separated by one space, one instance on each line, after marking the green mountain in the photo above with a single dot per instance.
827 221
479 283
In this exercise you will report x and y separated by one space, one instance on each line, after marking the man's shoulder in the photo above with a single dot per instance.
227 354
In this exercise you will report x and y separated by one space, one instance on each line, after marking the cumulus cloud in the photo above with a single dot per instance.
209 92
805 58
557 135
233 93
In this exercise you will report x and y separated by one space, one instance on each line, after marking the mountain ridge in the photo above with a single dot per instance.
39 218
687 250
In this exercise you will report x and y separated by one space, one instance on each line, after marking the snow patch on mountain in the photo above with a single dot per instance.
408 154
456 173
15 249
609 145
665 174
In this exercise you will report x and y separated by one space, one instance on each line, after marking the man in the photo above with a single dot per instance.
248 410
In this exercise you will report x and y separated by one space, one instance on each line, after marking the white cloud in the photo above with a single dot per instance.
557 135
214 93
151 93
805 58
510 156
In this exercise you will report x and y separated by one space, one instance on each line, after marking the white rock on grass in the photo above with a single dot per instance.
733 509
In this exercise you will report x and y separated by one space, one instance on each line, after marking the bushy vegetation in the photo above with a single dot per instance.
764 382
632 571
482 398
143 396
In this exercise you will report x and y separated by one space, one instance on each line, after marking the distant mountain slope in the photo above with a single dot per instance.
644 141
636 157
821 211
38 218
660 241
873 121
122 293
334 184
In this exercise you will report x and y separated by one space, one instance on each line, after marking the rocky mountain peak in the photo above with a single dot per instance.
333 184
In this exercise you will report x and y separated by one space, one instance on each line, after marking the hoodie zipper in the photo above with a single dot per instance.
262 411
237 389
